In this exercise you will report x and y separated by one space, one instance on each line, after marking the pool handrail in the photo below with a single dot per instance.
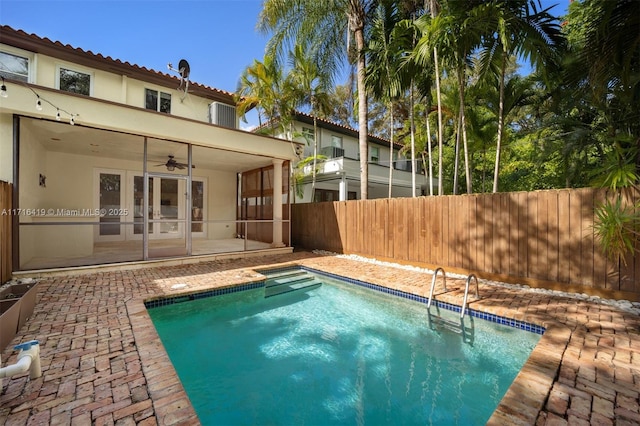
433 284
466 293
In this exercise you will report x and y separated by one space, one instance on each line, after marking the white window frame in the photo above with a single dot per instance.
159 93
374 158
77 69
30 56
308 134
336 138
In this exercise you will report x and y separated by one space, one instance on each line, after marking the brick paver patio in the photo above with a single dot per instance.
103 363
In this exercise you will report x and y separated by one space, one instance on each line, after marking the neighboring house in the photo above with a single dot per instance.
338 176
114 162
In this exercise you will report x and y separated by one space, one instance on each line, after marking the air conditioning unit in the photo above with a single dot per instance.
223 115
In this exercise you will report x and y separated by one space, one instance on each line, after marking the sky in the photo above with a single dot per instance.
217 37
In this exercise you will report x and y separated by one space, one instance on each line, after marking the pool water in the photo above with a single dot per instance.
337 354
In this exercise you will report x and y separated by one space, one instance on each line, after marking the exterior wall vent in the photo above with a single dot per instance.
223 115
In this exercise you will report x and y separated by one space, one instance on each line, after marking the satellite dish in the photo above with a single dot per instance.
183 70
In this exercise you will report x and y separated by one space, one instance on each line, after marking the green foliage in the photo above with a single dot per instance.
570 123
617 227
300 175
619 169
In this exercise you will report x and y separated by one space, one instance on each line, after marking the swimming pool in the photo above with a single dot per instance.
334 354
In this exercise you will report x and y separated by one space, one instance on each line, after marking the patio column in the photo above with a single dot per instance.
277 203
343 187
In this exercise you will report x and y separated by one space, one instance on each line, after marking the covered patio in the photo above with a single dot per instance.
91 196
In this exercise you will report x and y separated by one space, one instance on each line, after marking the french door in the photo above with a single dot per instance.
163 216
166 207
157 213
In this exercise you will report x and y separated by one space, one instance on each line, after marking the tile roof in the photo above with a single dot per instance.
45 46
332 125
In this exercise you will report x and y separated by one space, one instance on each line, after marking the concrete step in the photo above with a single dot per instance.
301 285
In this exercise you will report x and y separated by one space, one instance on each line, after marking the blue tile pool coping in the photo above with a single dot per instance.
170 300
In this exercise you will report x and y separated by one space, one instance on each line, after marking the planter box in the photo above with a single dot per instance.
17 302
9 319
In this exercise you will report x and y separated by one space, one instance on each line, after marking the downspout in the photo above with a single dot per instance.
28 360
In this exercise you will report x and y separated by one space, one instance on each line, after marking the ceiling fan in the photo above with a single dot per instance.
172 164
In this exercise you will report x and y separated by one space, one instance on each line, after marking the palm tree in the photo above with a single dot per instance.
456 32
383 73
433 10
426 54
518 28
311 88
261 85
323 29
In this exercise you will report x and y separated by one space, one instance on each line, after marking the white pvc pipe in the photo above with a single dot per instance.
28 360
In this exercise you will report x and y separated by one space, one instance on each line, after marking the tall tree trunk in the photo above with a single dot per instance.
315 156
432 8
413 142
457 156
391 130
467 168
430 177
500 123
363 117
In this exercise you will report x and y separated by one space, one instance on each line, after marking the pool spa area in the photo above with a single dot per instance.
308 347
318 339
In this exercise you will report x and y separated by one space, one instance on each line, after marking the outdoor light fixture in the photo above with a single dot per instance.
171 168
3 90
58 115
72 121
38 104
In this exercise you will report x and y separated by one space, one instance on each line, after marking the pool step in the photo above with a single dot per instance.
287 273
288 282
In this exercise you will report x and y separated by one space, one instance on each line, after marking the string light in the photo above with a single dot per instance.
40 100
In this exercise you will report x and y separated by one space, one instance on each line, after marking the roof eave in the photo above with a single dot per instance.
44 46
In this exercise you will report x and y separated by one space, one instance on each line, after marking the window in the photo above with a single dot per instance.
157 101
323 195
308 134
14 66
74 81
375 154
336 141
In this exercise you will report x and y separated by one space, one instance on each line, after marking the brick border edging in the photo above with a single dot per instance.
528 394
170 401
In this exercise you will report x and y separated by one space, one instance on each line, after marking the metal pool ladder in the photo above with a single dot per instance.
466 293
433 284
465 330
444 284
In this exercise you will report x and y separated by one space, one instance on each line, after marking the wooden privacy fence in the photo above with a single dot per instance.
533 237
5 232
